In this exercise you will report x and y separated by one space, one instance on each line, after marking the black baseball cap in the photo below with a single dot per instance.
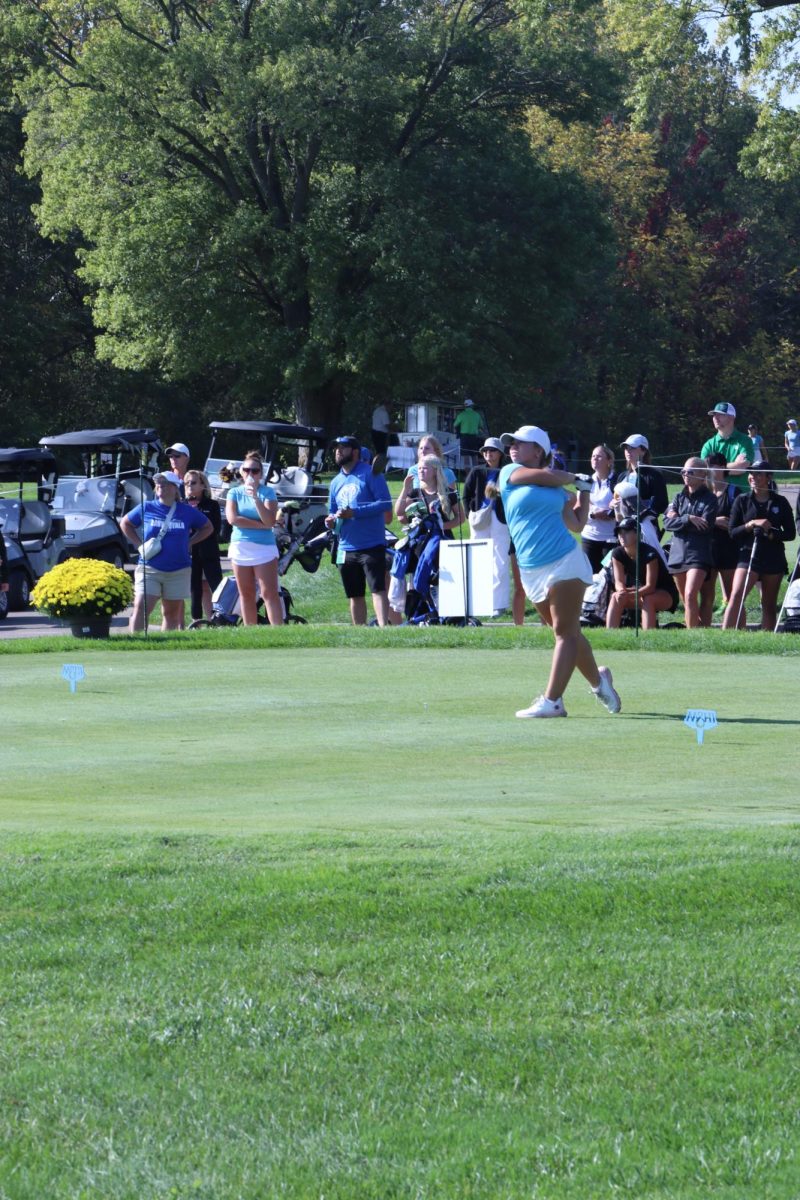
346 440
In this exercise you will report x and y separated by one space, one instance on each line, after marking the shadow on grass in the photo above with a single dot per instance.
662 716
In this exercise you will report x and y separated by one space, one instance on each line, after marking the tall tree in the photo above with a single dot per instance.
702 302
313 194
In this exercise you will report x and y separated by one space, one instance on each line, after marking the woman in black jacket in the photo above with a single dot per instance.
206 565
690 519
761 523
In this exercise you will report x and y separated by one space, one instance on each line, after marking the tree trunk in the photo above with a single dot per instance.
322 406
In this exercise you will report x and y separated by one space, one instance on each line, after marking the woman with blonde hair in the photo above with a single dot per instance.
427 444
432 498
435 493
251 510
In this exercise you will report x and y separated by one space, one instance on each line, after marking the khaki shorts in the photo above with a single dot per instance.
164 585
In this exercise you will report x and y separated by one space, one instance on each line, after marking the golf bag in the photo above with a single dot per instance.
417 555
227 607
791 609
596 597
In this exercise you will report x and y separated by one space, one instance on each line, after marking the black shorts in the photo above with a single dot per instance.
362 569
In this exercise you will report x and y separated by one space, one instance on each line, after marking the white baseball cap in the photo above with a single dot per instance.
492 444
723 409
178 448
528 433
167 477
637 441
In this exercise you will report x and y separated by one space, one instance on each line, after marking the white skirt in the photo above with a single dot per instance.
245 553
538 581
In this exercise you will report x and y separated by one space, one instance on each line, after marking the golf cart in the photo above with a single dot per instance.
114 476
293 457
33 535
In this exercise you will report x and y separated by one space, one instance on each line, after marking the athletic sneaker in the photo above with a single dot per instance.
542 707
605 691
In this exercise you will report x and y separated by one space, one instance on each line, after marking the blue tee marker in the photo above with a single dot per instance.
700 719
73 673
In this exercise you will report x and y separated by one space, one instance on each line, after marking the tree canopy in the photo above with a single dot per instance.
315 193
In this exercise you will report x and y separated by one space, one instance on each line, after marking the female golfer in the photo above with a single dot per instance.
553 568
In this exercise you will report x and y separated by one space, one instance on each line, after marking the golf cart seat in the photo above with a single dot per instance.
133 493
294 481
35 524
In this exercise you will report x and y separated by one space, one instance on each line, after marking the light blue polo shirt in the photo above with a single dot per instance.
534 516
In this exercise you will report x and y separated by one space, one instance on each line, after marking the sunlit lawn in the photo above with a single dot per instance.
331 922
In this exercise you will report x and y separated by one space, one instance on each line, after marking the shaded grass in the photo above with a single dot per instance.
353 1016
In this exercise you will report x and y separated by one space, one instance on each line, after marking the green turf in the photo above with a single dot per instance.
327 921
284 740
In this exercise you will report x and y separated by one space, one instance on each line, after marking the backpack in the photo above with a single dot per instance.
596 597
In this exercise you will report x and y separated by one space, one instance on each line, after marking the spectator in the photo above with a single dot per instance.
723 549
427 444
641 580
761 522
554 570
178 456
251 510
598 538
487 518
436 495
206 566
432 497
652 497
690 520
170 530
470 427
791 440
759 449
729 441
381 428
360 507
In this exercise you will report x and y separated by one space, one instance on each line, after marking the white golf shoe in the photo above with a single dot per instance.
542 707
605 691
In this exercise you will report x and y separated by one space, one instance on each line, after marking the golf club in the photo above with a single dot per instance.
144 571
756 536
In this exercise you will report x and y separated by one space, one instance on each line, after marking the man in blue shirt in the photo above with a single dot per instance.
360 508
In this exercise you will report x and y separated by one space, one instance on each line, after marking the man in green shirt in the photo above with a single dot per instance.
470 427
735 446
469 421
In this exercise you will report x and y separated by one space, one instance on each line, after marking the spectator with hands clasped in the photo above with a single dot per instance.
690 519
251 509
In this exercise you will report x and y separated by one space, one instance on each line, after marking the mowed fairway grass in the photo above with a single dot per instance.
332 923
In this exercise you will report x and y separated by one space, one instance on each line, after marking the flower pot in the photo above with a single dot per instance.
91 627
